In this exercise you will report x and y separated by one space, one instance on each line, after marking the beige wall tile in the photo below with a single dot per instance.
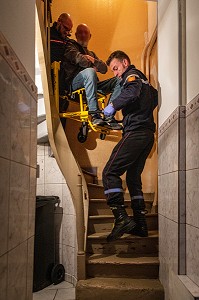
18 208
17 266
192 140
3 276
30 268
32 203
33 133
4 203
168 195
168 150
192 234
192 191
20 125
5 108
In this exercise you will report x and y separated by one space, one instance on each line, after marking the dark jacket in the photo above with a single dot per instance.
137 100
57 44
74 61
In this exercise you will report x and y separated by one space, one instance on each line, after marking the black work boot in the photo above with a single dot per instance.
110 121
139 212
123 223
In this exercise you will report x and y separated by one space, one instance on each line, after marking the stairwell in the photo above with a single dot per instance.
127 268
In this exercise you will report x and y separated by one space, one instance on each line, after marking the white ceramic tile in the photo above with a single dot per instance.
17 264
52 189
52 171
40 190
67 202
3 276
45 295
40 150
4 203
62 285
69 257
18 206
69 230
40 162
65 294
5 108
20 125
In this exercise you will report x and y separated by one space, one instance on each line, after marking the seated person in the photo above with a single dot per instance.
81 65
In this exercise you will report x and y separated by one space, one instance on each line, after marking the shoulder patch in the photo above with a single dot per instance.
131 78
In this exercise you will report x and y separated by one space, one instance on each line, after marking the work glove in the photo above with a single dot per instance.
109 110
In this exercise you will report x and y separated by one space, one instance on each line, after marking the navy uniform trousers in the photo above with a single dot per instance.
129 156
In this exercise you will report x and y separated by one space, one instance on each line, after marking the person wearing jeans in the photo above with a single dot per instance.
81 66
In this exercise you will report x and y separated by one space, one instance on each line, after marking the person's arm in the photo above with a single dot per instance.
75 57
97 63
129 93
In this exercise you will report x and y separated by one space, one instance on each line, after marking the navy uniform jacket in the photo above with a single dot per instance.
137 100
57 44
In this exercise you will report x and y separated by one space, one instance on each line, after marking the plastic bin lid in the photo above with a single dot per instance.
44 200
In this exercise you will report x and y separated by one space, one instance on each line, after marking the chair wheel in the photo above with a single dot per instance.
57 274
102 136
81 138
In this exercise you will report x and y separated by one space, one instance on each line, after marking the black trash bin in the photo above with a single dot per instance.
46 271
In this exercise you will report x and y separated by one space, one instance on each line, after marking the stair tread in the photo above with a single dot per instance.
126 200
126 259
121 283
89 173
111 216
103 235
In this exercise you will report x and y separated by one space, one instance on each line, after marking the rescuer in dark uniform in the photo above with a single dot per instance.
137 102
59 36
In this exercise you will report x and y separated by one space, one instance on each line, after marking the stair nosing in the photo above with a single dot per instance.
94 217
126 200
152 234
91 260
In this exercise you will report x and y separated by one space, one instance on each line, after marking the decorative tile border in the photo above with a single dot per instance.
9 55
192 106
179 112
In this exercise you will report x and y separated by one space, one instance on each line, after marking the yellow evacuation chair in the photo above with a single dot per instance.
82 115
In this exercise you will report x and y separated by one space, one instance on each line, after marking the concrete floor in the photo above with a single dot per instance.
62 291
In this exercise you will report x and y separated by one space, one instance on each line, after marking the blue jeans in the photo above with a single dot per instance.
88 79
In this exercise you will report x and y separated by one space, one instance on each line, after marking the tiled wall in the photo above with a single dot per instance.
18 110
178 176
192 189
51 182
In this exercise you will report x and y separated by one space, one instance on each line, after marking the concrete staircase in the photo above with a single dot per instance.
126 269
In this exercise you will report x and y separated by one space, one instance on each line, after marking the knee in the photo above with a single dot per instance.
89 74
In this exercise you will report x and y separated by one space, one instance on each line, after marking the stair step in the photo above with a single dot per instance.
123 265
100 207
89 177
127 244
119 288
96 191
104 223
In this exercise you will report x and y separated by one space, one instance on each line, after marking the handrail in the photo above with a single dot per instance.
60 146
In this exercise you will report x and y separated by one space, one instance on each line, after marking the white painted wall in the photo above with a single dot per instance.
167 57
192 41
17 23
